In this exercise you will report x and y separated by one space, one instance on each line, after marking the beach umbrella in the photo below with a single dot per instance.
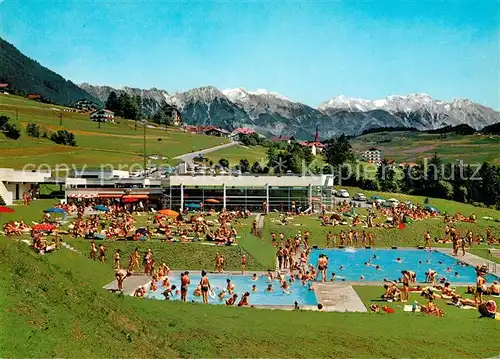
168 212
101 208
4 209
212 200
55 210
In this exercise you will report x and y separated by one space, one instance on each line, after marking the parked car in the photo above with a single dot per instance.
373 199
359 197
391 202
236 172
343 193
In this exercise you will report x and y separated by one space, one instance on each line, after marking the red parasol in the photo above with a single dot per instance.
4 209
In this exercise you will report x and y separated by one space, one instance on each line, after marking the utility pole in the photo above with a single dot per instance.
17 114
60 117
144 123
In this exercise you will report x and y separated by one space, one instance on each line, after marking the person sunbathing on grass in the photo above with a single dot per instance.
462 302
392 292
432 309
494 289
489 310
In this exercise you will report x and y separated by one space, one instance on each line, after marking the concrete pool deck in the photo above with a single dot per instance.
473 260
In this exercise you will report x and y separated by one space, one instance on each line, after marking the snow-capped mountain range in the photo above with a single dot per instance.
273 114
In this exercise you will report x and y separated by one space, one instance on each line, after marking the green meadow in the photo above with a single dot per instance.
414 146
113 143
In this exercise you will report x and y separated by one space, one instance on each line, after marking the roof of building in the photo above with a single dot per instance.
311 144
244 131
102 110
373 149
4 85
217 129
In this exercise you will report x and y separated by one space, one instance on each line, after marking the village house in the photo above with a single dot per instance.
102 115
316 147
218 132
240 131
85 105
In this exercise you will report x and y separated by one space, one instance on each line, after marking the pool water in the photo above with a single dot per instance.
243 283
418 261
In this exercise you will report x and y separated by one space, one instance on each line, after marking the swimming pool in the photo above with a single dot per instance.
418 261
243 283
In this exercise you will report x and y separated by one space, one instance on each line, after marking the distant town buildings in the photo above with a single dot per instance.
237 133
373 155
85 105
34 96
102 116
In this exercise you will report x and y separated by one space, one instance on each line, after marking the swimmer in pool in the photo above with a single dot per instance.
448 269
254 288
374 256
230 286
332 278
341 267
254 277
398 260
167 293
269 288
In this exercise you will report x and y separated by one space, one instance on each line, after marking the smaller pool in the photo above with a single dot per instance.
243 283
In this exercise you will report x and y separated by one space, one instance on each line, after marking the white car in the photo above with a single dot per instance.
343 193
359 197
391 202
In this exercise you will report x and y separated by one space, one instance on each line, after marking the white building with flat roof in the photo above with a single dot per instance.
14 183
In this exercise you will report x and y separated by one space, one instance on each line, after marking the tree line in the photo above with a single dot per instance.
479 184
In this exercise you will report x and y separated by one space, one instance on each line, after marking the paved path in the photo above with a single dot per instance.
338 297
473 260
130 284
188 157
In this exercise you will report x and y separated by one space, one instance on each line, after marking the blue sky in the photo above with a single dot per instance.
308 51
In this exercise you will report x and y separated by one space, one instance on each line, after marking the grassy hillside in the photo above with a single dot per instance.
54 306
113 143
236 153
413 146
25 75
